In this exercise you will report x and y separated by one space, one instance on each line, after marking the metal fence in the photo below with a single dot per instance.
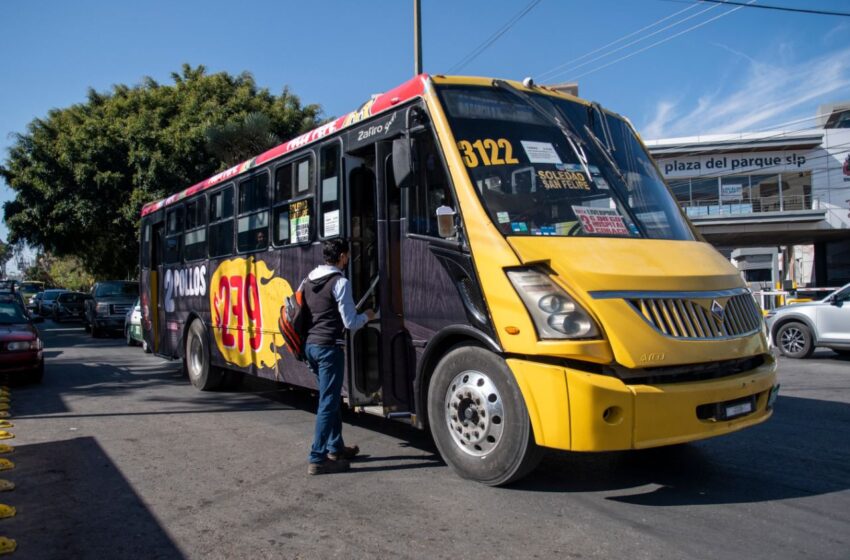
718 207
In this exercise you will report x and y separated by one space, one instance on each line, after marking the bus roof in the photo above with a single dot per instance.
379 103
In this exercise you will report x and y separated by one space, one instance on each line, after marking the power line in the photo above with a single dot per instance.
780 8
554 71
655 44
493 38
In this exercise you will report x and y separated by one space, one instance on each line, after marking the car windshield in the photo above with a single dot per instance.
11 313
71 298
117 289
51 294
549 166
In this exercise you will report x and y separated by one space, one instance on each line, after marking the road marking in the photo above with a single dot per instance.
6 465
6 435
7 511
6 449
6 424
6 485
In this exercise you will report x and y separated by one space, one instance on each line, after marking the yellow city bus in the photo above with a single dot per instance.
538 286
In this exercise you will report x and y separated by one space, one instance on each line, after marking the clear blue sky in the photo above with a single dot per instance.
746 70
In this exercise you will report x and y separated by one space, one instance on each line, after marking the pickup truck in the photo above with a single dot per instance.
108 305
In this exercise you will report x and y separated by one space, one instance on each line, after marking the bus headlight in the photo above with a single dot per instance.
554 312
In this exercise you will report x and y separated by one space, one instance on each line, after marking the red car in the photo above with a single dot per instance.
21 349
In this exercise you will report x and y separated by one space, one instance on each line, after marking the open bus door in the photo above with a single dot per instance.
380 354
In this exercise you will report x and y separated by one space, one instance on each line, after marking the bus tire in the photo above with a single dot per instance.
478 418
196 359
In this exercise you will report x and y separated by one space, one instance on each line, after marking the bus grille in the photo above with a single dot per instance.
701 318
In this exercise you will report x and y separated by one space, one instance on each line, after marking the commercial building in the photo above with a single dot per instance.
783 189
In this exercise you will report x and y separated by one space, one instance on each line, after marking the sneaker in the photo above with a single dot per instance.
346 453
329 467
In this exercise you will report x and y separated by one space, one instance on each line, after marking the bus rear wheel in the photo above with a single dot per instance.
196 359
478 418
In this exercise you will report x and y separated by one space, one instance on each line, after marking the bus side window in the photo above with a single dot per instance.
146 244
329 181
253 224
221 222
173 235
431 189
195 238
293 202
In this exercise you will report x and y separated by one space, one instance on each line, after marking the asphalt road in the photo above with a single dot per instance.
117 456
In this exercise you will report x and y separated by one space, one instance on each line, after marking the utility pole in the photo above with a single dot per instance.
417 37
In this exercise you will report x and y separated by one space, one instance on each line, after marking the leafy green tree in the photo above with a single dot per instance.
69 273
5 256
82 173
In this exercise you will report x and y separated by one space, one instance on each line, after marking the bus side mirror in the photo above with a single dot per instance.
404 169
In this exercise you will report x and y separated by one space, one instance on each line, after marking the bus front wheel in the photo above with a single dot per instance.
197 359
478 418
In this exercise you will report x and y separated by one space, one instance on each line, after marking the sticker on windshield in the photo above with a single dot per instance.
519 227
503 217
602 221
540 152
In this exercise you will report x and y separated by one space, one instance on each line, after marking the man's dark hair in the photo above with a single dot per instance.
333 249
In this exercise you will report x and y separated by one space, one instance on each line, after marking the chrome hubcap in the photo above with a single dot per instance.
474 413
196 349
793 340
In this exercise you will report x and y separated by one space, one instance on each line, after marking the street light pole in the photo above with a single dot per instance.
417 38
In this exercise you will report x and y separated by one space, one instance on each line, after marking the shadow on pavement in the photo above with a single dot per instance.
73 502
803 450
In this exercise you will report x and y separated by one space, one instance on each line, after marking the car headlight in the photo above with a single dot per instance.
102 308
24 345
554 312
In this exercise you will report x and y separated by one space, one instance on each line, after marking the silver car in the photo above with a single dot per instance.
797 329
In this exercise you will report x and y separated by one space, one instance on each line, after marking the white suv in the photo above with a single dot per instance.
797 329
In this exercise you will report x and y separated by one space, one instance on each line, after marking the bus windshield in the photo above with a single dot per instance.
549 166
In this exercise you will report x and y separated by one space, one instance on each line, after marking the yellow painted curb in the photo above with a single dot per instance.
6 435
6 485
6 424
7 511
7 545
6 449
6 464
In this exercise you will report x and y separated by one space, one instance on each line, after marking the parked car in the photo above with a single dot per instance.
33 302
21 349
108 306
68 305
45 304
133 327
10 292
799 328
30 288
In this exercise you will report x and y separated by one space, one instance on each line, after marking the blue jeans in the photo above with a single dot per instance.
328 364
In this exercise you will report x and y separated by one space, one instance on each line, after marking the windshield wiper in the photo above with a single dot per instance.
573 139
612 163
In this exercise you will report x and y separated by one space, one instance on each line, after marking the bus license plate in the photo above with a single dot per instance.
738 409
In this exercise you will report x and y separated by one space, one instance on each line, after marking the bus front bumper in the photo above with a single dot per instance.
579 411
